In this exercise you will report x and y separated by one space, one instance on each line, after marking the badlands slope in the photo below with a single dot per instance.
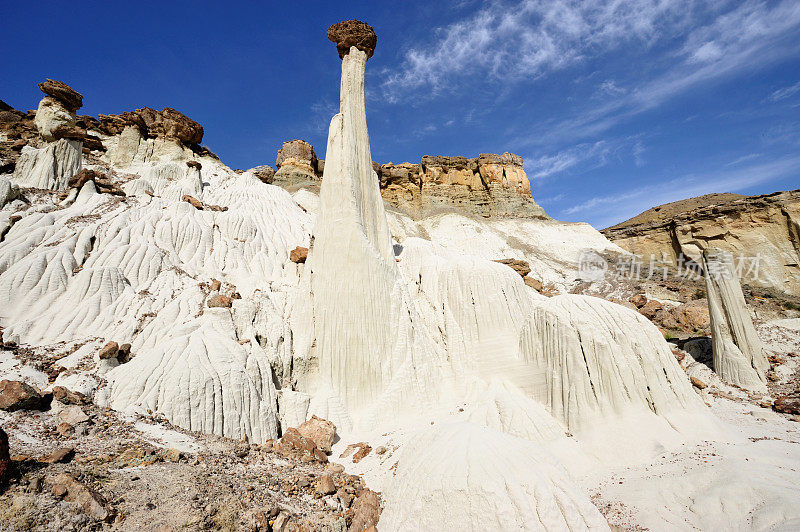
498 408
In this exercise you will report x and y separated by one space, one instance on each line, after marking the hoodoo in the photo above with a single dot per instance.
361 324
738 353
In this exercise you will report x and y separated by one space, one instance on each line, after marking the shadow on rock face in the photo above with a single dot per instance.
700 347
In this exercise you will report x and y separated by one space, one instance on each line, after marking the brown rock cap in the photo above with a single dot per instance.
167 123
353 33
62 92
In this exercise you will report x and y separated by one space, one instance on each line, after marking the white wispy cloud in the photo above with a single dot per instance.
782 94
517 41
610 88
699 42
749 37
744 158
585 156
547 165
612 208
551 199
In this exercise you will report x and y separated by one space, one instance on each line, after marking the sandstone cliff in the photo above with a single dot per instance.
762 232
487 185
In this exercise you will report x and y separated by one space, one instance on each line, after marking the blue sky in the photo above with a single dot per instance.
616 106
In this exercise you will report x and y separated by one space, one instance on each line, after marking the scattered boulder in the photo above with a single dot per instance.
110 350
325 485
358 450
522 267
281 523
697 383
194 202
68 397
219 300
298 255
639 300
353 33
321 431
65 429
90 501
345 499
215 285
59 491
73 415
692 316
361 453
101 181
19 395
536 284
787 404
59 456
194 164
60 91
366 510
650 309
293 441
124 354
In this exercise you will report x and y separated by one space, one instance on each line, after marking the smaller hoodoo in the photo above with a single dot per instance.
738 352
60 155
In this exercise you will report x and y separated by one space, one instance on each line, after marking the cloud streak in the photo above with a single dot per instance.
786 92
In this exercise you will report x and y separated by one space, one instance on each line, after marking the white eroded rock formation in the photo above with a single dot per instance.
464 476
49 167
739 356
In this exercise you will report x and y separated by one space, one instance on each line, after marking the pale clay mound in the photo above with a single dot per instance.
500 408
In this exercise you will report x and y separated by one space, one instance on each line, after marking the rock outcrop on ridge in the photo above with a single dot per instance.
297 165
167 123
489 185
764 229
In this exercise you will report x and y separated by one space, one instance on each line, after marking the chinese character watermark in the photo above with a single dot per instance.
594 267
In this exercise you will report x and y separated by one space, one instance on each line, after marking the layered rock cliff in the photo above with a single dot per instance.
762 232
489 185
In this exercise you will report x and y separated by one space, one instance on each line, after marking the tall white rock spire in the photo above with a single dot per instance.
361 320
